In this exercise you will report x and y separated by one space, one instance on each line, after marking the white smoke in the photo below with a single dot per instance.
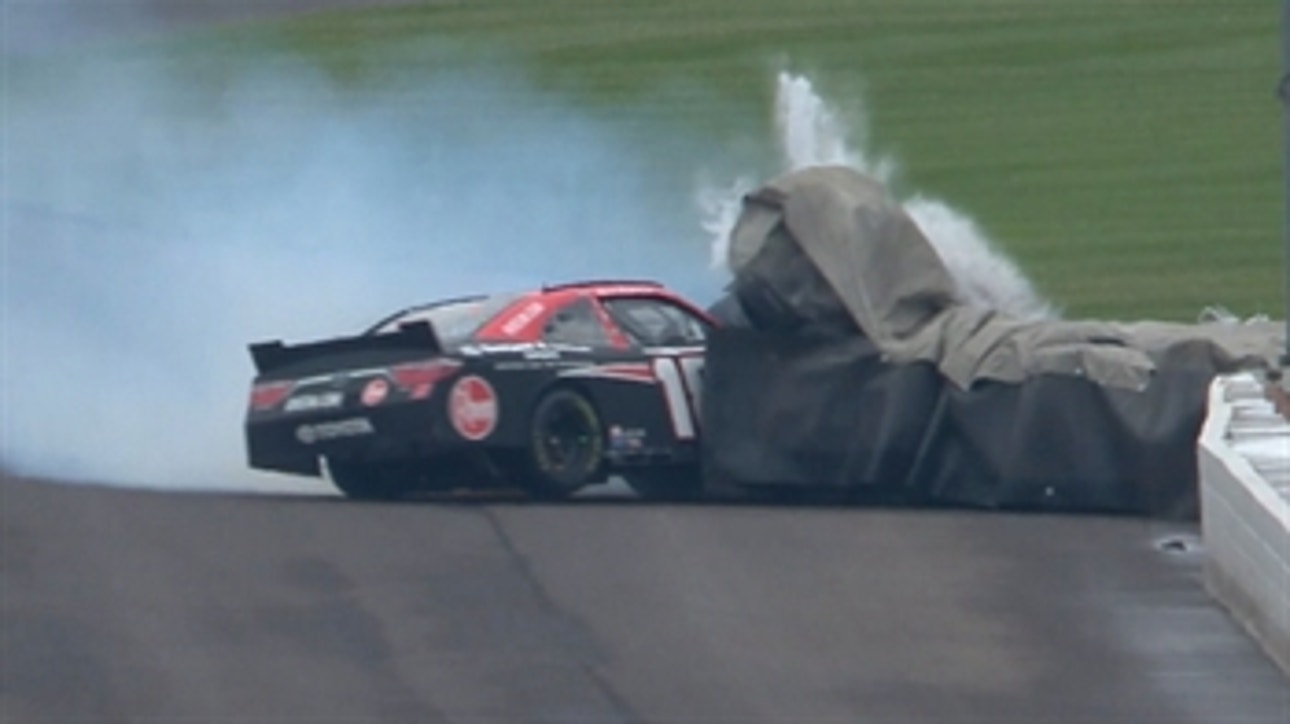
811 133
160 216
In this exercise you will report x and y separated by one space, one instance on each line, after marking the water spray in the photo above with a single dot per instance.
811 132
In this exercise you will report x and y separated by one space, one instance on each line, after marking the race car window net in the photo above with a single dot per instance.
454 321
656 322
578 324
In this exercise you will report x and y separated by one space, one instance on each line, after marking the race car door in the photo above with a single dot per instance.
672 336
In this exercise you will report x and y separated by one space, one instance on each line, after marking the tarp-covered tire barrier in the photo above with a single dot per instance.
784 409
795 410
848 364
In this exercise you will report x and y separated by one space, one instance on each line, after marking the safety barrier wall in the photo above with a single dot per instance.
1244 457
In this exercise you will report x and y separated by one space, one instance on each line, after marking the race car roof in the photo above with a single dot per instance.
457 319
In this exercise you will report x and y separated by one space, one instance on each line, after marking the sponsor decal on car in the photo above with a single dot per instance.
531 350
317 401
529 364
523 318
375 392
484 348
323 431
620 371
626 439
473 408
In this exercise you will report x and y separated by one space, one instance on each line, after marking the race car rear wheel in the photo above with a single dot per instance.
566 445
363 480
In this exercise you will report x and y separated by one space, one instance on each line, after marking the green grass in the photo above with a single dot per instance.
1127 153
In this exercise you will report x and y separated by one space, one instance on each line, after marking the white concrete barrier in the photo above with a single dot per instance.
1244 457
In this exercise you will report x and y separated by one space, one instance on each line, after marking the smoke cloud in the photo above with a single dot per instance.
157 221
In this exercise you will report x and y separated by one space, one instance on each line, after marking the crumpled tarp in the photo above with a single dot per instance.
851 362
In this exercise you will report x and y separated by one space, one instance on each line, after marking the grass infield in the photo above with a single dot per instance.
1126 152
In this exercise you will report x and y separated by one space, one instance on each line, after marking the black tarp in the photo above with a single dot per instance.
847 364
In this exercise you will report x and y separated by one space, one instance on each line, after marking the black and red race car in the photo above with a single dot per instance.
550 390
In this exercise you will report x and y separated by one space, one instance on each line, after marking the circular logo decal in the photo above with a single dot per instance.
306 435
472 405
375 391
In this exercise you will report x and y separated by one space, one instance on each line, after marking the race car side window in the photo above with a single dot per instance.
653 322
576 323
454 321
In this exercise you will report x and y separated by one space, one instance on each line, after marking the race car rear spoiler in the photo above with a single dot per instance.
413 338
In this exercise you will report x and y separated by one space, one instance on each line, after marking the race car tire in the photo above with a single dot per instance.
665 484
566 445
361 480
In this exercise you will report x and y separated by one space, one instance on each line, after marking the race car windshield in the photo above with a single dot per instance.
454 321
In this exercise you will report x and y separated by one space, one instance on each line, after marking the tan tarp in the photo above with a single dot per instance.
886 274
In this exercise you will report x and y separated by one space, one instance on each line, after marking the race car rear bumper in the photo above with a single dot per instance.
288 443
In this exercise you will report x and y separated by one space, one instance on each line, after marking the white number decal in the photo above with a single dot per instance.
692 374
682 381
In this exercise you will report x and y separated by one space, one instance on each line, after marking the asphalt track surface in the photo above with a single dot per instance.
162 607
120 605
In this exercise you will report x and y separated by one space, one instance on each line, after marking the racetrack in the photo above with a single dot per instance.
120 605
138 606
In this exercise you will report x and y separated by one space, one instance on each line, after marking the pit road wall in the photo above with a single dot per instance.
1244 457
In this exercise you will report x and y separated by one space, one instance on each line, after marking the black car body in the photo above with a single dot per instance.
551 390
